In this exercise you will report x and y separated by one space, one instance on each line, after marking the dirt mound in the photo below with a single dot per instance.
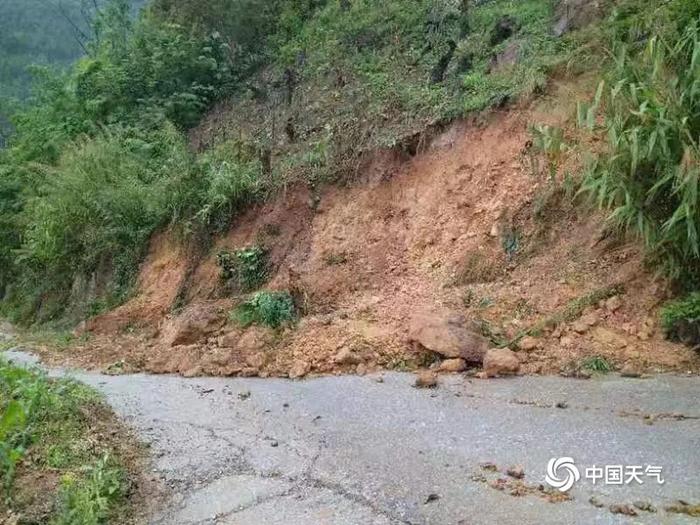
464 226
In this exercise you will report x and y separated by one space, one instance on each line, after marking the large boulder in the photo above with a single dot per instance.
447 335
192 326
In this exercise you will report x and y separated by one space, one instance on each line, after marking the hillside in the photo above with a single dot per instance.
284 188
35 34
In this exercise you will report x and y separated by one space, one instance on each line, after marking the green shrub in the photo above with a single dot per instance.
248 267
229 179
648 176
680 319
272 309
597 364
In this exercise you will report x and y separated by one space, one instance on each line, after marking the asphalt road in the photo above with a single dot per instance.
356 451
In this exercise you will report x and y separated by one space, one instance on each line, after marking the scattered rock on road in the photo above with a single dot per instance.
645 506
624 509
426 379
629 370
517 472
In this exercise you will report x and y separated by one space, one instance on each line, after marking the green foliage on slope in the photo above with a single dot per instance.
648 173
99 159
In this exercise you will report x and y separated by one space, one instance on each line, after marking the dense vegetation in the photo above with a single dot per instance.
101 157
99 160
41 33
649 172
44 427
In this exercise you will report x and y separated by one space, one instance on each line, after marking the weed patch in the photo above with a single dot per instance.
596 364
248 267
680 320
272 309
44 426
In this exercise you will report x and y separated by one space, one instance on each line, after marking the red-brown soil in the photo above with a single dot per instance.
425 233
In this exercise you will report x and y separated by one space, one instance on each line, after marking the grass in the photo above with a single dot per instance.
647 173
46 427
272 309
597 364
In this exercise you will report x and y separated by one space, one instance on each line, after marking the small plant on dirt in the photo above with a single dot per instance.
335 259
492 333
681 320
476 268
88 501
548 140
597 364
272 309
248 267
510 242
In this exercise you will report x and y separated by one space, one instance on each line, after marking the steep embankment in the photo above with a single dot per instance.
465 233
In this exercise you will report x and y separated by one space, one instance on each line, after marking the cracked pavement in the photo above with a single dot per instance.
352 450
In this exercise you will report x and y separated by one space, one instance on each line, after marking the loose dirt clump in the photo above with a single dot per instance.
464 228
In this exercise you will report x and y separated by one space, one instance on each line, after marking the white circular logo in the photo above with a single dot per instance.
562 473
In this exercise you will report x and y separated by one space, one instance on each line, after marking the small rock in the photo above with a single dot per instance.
489 466
609 337
566 341
620 508
249 372
453 365
580 327
426 379
528 343
431 498
192 372
347 357
614 303
516 472
299 369
274 443
256 360
562 404
645 506
244 395
590 319
379 379
629 370
361 369
500 362
596 502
